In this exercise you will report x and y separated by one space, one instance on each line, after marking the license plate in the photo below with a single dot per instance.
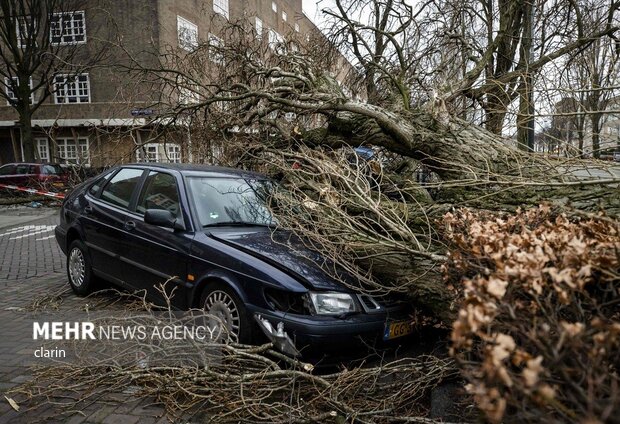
58 184
397 329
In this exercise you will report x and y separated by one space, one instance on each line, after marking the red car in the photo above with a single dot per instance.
47 176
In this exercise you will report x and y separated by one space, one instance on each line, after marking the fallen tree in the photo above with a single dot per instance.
268 106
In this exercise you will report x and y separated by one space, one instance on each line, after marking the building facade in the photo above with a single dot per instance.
99 117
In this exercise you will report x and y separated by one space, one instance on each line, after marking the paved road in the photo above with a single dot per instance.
32 269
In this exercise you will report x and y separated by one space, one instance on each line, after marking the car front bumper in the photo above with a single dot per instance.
327 335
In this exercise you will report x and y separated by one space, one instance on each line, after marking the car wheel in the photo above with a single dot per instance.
79 269
227 313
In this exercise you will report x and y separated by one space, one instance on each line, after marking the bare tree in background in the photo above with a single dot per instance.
38 45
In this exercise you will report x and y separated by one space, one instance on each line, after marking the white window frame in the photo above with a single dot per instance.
82 150
215 56
274 6
173 153
221 8
258 24
61 89
187 34
159 153
284 16
147 150
43 149
61 24
10 94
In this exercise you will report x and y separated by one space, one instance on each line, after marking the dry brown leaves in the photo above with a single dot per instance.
538 332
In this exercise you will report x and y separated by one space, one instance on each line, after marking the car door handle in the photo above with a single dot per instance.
88 209
130 225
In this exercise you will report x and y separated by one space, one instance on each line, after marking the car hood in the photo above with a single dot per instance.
284 251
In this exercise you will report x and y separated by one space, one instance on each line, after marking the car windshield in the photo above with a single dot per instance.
53 169
231 201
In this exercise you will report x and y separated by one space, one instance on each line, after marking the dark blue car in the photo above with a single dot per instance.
209 233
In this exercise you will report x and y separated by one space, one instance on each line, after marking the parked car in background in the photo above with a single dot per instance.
616 156
47 176
209 233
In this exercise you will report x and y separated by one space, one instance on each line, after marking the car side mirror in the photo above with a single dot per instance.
163 218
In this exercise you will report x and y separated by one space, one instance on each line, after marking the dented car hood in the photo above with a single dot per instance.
286 252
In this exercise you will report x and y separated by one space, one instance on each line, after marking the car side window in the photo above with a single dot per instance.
121 187
94 189
7 170
159 192
22 169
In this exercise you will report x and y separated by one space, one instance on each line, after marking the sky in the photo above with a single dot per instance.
312 8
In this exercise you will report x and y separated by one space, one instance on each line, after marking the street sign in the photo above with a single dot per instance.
142 112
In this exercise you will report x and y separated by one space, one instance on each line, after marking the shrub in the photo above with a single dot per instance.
538 331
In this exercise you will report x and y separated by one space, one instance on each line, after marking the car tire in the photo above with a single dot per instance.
79 269
221 301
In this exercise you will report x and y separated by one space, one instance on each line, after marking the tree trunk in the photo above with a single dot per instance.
595 119
27 139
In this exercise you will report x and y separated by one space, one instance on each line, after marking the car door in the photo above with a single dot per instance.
103 221
157 255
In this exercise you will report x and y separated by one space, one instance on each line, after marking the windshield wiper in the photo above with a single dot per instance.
236 224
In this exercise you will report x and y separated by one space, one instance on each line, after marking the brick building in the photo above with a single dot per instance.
99 117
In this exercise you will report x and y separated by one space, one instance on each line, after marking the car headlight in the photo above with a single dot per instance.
331 303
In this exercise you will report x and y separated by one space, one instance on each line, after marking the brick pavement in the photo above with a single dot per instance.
29 249
32 269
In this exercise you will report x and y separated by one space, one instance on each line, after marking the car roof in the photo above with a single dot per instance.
30 163
199 169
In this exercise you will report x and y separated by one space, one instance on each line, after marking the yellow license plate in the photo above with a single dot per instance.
397 329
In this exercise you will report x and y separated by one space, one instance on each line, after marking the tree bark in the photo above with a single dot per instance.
595 120
27 140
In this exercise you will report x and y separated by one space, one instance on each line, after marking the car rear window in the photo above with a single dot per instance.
7 170
121 187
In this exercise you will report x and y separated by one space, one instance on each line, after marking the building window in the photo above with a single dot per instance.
259 28
10 94
276 41
188 34
70 151
215 46
174 153
68 28
274 6
296 27
159 152
25 30
284 16
221 7
43 149
148 153
72 88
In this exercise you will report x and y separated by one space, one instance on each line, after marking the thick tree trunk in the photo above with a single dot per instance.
27 139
